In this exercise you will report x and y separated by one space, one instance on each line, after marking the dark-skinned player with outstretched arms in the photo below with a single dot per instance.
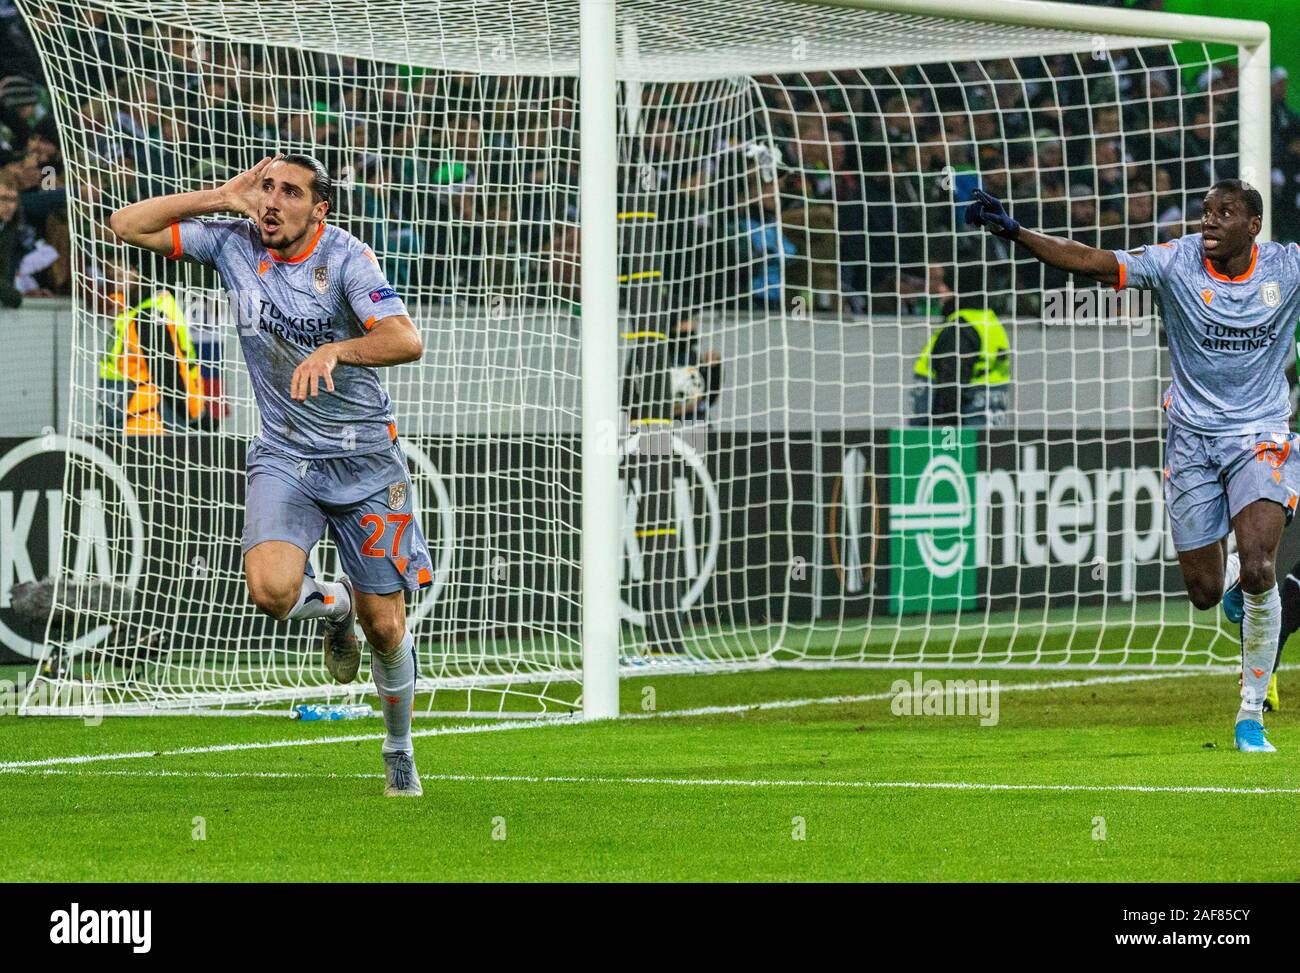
1228 304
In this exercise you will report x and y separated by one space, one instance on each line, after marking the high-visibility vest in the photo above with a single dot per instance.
993 367
126 362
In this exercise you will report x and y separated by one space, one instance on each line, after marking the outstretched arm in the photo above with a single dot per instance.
148 223
1075 258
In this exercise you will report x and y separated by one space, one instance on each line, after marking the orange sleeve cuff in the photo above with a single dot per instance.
1123 276
176 242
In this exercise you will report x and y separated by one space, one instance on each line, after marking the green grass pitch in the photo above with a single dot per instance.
1107 781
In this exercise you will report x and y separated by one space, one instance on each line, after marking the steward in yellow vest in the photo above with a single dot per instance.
963 375
154 359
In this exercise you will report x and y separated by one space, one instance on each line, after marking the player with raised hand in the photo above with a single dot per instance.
316 318
1229 306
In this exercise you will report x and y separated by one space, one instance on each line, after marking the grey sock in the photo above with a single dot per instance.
394 673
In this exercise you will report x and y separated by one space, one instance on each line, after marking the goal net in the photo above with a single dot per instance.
818 464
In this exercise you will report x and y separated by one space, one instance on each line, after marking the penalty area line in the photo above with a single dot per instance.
676 781
533 724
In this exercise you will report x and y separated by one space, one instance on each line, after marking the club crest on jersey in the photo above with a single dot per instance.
397 495
320 279
1271 292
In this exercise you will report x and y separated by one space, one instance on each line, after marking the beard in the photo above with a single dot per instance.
279 240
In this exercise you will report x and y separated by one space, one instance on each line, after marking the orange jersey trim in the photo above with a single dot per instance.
1254 256
306 253
368 323
392 431
176 243
1123 276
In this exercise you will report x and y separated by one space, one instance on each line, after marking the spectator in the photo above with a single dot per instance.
20 109
21 57
40 268
1083 214
9 294
1285 120
1140 217
756 245
469 182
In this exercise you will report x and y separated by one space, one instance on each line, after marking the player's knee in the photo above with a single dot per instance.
276 600
1203 590
384 635
382 630
1257 573
1205 596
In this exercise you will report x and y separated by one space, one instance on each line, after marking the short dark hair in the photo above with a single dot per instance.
1254 201
322 186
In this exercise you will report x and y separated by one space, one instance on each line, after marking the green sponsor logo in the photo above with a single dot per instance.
932 519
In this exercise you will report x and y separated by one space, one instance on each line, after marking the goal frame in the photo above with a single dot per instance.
600 72
600 608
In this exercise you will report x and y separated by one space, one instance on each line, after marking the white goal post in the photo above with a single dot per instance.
674 264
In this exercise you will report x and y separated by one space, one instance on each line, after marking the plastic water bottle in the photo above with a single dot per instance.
332 711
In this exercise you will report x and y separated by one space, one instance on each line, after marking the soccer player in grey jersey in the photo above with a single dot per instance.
1228 305
316 318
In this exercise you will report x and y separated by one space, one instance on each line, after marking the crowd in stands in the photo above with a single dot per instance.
846 199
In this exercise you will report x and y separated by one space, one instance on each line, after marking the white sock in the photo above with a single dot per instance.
321 599
1260 629
394 673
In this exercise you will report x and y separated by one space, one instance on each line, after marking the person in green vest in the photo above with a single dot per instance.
963 375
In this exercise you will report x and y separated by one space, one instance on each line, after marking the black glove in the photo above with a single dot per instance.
988 211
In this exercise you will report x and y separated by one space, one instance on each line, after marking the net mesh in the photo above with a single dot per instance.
791 181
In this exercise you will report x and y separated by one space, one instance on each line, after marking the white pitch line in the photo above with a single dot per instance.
266 744
1022 687
677 781
532 724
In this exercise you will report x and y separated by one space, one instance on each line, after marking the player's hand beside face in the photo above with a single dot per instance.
315 372
243 193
